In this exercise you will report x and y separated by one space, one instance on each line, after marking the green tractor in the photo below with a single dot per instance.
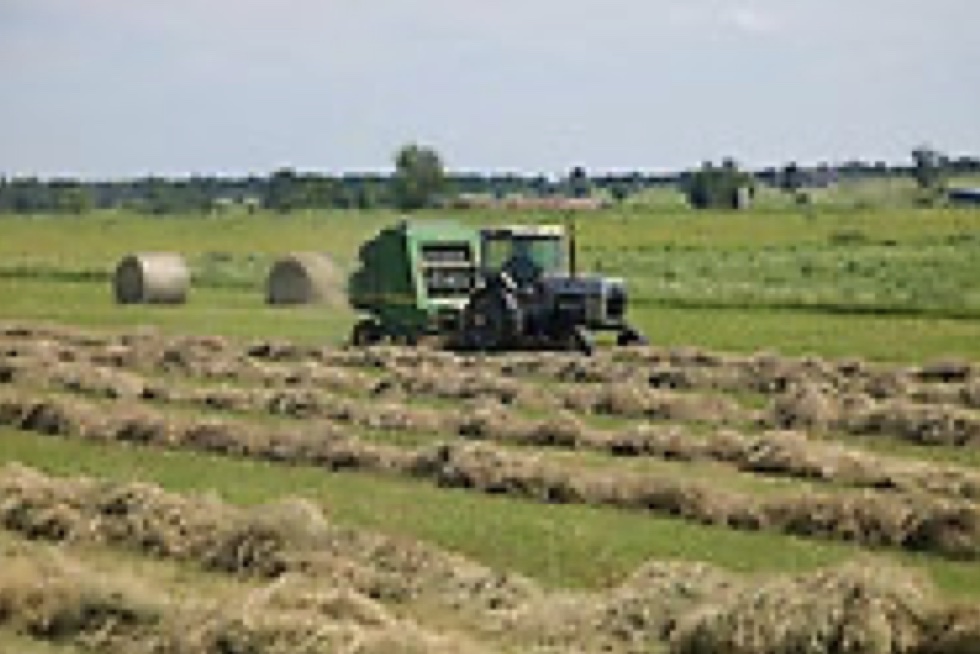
500 288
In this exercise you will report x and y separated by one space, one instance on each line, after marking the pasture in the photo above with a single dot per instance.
804 429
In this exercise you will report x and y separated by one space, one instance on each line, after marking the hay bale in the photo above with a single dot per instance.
304 278
152 278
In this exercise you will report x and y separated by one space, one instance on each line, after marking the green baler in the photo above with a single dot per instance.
414 280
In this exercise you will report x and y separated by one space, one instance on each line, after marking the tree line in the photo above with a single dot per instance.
420 180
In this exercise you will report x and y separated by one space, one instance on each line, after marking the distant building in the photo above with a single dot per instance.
527 203
226 203
964 196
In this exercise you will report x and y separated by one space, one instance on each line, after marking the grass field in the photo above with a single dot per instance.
900 284
545 516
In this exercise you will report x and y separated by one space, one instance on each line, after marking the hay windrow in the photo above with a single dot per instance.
52 597
783 453
812 407
543 427
697 608
853 609
691 368
267 541
630 618
914 521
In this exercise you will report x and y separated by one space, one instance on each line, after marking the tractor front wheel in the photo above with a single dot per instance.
630 336
580 340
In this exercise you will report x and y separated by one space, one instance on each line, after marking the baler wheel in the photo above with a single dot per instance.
366 333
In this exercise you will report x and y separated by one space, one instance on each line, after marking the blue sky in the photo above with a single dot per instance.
104 88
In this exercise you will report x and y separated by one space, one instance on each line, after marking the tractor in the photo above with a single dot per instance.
498 288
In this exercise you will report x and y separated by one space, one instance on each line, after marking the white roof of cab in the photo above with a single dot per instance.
540 231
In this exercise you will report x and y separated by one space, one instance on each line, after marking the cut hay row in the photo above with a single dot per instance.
204 359
695 608
944 382
200 357
51 596
412 372
818 408
854 608
624 400
262 542
788 454
916 522
803 407
798 406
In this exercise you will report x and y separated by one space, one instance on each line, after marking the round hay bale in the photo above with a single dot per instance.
304 278
152 278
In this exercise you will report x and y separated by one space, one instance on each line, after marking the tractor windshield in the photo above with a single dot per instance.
546 252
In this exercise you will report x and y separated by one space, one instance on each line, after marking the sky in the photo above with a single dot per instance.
120 88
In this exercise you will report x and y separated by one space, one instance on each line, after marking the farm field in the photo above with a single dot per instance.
794 459
894 285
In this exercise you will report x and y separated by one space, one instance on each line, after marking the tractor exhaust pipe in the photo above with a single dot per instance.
572 249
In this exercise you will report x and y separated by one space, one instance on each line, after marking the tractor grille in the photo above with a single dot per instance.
616 303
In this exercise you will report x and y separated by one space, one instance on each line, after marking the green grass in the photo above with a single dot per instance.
876 337
242 314
889 284
572 546
937 279
230 312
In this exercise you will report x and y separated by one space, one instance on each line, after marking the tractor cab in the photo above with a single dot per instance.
531 296
524 252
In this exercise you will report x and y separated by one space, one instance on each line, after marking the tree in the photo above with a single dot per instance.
579 185
419 177
791 180
282 191
714 187
929 168
72 198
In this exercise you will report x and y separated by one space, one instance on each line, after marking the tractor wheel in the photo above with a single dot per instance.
491 320
580 340
630 336
366 333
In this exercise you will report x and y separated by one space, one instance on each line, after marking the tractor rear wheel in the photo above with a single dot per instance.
491 320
